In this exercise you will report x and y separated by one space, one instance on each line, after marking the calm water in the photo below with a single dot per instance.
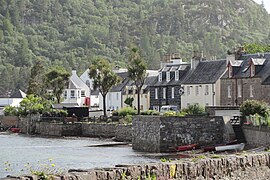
66 153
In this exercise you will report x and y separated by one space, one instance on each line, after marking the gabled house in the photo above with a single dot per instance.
77 93
131 92
114 97
202 85
13 100
166 89
247 77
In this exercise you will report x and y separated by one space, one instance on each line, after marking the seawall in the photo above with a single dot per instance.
159 134
232 167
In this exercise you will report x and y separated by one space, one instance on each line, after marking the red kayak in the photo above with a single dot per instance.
15 130
186 147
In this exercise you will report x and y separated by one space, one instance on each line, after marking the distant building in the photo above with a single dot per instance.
13 100
247 77
202 85
167 89
77 93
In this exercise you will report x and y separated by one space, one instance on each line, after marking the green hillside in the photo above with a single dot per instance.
74 32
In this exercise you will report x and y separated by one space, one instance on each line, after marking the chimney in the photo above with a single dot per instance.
73 72
230 58
196 59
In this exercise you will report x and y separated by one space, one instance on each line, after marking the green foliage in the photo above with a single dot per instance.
104 78
256 48
252 107
169 113
150 112
129 101
67 33
56 79
10 111
137 72
195 109
126 111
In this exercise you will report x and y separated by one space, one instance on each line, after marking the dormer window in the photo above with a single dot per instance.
160 77
177 75
168 78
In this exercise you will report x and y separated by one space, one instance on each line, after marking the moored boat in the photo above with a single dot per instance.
186 147
212 148
233 147
15 130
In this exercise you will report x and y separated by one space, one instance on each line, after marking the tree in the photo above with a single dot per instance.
129 101
35 85
56 79
137 72
104 78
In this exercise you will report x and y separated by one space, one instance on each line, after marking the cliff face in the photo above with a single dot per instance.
72 33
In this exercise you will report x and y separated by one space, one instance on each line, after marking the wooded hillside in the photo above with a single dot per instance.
74 32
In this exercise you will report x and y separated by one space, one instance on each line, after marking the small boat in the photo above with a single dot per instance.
186 147
15 130
235 147
258 149
212 148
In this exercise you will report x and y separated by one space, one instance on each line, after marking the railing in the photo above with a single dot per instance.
257 120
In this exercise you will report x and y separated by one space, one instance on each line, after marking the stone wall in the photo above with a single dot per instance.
159 134
121 132
257 136
146 133
244 167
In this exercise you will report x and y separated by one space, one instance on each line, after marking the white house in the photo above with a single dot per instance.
202 85
13 100
77 93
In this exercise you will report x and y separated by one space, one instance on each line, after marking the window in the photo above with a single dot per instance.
168 78
141 107
252 70
188 90
229 88
160 77
177 75
65 95
206 89
164 93
197 90
79 94
130 91
72 94
88 83
172 92
117 96
239 90
156 93
251 91
83 93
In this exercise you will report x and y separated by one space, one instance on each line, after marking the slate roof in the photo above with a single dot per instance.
18 94
122 84
183 71
206 72
262 64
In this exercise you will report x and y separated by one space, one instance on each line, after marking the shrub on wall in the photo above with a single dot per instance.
126 111
195 109
252 107
150 112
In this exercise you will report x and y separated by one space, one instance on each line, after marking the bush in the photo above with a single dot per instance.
195 109
150 112
169 113
10 111
252 107
126 111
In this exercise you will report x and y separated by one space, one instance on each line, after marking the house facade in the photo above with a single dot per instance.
77 93
202 85
247 77
14 100
167 89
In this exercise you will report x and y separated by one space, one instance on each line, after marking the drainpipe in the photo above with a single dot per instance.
213 98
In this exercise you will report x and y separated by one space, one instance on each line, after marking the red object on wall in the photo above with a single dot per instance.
87 101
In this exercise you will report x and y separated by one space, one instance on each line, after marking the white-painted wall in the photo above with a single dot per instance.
203 99
113 101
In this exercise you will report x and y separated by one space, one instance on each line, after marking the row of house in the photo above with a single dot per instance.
226 82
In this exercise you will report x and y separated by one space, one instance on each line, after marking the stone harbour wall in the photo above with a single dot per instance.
159 134
233 167
121 132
